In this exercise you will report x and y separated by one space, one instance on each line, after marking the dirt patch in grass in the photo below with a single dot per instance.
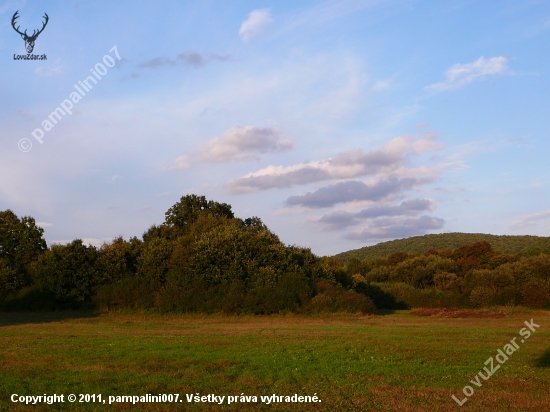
457 313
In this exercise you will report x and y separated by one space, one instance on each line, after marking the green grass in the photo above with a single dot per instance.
383 363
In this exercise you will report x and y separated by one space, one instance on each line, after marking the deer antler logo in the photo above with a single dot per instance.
29 40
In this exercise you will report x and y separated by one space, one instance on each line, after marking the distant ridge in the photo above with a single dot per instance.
446 241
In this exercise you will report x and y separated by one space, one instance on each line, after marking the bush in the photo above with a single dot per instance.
482 296
508 296
35 298
289 294
10 281
381 299
129 293
337 299
408 296
535 293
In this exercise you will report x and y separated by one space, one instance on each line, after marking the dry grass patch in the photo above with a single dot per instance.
458 313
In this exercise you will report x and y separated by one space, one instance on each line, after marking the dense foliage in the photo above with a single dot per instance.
21 243
201 259
469 276
525 245
204 259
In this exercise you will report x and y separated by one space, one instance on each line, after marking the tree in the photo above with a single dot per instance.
69 272
482 296
473 256
233 251
21 241
118 259
355 267
190 207
495 280
152 262
396 257
159 231
536 293
9 280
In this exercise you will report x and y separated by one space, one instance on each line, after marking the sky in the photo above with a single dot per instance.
340 123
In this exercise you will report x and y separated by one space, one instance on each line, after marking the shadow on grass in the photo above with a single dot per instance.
544 360
27 317
385 312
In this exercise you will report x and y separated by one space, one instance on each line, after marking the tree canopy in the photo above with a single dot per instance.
204 259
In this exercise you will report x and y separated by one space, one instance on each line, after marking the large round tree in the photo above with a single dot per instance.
21 242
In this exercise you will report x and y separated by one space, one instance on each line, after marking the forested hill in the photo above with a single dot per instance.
448 241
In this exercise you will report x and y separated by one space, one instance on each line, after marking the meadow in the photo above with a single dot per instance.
398 361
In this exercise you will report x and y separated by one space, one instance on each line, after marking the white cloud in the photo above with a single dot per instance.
257 22
461 74
243 143
87 241
382 85
396 228
531 220
237 144
350 164
44 224
111 180
182 162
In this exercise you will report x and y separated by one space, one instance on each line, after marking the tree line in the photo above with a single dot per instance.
204 259
524 245
201 259
472 275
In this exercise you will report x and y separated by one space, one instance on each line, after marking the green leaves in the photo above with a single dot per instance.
21 240
70 272
21 243
190 207
152 261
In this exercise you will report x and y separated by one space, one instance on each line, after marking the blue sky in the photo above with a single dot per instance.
340 123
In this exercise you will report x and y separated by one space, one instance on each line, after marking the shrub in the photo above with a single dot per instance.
407 296
482 296
337 299
535 293
381 299
128 293
35 298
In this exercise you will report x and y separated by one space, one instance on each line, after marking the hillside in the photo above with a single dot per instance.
445 241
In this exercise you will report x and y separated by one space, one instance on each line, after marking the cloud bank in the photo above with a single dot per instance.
396 228
350 164
353 190
341 219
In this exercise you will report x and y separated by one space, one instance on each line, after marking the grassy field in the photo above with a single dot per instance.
393 362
